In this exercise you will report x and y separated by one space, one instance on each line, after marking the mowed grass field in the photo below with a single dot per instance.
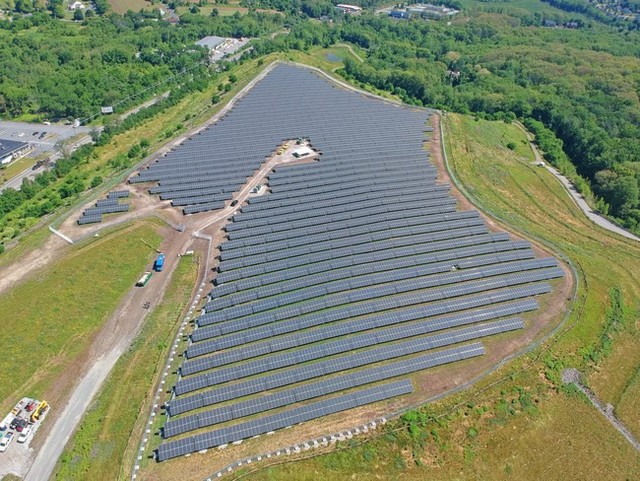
525 427
50 319
97 450
123 6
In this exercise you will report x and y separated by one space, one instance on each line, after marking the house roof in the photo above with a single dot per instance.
9 146
210 42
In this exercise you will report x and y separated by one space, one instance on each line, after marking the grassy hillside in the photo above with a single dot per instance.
100 443
527 426
50 319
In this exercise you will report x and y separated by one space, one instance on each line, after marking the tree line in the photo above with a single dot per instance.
576 90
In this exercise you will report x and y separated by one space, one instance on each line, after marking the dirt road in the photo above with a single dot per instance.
91 371
122 328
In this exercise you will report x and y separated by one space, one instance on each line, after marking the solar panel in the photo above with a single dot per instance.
281 420
346 263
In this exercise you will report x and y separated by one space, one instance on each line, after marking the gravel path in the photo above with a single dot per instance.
572 376
575 195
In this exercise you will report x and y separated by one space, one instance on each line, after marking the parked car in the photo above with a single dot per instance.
22 423
5 441
25 434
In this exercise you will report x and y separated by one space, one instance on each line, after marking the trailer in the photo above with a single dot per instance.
144 280
159 263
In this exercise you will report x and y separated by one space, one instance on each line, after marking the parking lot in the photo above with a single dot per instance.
228 50
33 134
17 430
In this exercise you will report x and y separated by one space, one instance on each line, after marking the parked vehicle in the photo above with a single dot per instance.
159 263
25 434
42 407
144 280
5 441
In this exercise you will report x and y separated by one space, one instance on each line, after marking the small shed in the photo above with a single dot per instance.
302 152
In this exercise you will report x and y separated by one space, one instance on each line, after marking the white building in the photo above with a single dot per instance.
11 150
76 6
213 43
349 8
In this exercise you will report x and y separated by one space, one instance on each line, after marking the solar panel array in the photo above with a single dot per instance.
110 205
352 271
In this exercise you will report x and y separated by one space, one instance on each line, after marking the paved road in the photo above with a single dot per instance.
16 182
148 103
29 173
70 417
575 195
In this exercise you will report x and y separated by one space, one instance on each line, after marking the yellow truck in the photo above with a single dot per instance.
42 407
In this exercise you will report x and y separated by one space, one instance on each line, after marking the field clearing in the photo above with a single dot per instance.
522 427
223 10
122 6
105 433
628 405
56 313
492 450
515 7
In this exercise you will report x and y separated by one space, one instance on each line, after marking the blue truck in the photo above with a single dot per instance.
159 263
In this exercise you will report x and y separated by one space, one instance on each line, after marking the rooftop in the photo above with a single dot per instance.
8 146
211 42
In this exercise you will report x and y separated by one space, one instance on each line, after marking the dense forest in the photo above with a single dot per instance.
53 69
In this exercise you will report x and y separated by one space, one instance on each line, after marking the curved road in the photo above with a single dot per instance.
575 195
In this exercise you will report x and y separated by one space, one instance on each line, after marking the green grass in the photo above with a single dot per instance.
514 7
525 427
108 436
122 6
50 319
480 441
14 168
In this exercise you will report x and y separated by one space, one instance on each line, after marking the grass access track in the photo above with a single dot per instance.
107 439
519 422
50 319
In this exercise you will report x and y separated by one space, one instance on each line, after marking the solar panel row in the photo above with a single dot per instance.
181 425
109 205
281 420
389 296
423 262
276 360
290 292
342 363
194 364
304 322
270 273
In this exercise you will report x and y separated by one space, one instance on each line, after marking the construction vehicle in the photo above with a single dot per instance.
42 407
159 263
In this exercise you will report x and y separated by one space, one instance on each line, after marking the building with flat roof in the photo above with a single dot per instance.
348 8
212 42
11 150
